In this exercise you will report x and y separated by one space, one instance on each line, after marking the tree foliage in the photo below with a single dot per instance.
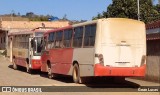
30 15
128 9
34 17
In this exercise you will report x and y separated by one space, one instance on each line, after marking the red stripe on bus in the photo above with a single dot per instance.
36 64
61 60
20 61
100 70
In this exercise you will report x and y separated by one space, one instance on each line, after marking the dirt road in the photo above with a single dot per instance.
11 77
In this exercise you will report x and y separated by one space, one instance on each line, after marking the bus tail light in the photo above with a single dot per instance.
143 60
100 57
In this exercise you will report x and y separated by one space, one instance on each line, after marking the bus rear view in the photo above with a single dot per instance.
103 47
120 48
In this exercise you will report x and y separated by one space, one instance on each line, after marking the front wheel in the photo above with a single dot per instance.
28 69
50 75
14 65
76 74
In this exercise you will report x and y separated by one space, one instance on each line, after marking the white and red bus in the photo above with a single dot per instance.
106 47
25 49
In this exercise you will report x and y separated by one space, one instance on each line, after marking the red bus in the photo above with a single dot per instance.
113 47
25 49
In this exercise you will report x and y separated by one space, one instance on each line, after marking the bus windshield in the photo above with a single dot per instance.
37 46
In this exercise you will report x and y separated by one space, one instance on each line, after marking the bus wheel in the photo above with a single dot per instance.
76 74
14 65
50 75
28 70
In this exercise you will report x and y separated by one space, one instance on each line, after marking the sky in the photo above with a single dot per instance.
74 9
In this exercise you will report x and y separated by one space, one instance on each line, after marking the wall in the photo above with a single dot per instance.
154 30
32 24
153 68
153 47
2 39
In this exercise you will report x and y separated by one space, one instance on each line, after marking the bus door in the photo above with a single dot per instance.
44 56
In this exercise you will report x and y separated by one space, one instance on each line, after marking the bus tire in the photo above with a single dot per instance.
28 69
76 74
50 74
14 65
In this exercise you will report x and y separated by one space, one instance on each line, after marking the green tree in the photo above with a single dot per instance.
103 15
30 14
98 16
122 8
128 9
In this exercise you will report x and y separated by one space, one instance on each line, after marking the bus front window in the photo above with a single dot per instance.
37 46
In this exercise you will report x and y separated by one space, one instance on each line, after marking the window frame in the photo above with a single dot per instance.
77 36
89 35
59 40
69 38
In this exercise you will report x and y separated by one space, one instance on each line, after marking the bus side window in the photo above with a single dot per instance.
14 41
78 35
32 43
58 41
90 32
27 41
44 43
67 38
51 39
19 41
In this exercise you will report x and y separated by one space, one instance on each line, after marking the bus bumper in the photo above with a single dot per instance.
36 64
100 70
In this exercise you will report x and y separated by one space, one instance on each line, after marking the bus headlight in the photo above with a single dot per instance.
143 60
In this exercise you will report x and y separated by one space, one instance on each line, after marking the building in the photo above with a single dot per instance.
16 26
3 36
153 27
153 38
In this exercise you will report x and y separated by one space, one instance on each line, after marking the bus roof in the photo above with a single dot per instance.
71 26
123 19
21 32
26 32
105 19
86 23
92 22
55 30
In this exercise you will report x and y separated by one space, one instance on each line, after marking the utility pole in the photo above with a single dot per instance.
138 10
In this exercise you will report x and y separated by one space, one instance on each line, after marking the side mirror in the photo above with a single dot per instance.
32 43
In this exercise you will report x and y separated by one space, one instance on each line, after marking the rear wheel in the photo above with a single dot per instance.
14 65
76 74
